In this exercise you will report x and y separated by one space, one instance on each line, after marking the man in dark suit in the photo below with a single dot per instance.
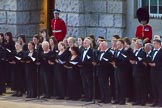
112 78
120 73
148 49
86 69
139 68
156 73
103 71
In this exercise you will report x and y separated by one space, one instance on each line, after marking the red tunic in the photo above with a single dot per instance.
143 32
58 29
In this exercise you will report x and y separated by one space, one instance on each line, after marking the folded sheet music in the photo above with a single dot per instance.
8 50
18 58
74 63
61 62
33 58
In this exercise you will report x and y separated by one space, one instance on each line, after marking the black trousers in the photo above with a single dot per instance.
120 85
130 83
140 89
86 76
156 83
147 78
104 87
112 84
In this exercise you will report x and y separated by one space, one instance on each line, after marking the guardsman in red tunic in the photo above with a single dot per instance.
58 26
144 31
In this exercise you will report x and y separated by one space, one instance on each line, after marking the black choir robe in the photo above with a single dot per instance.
2 69
45 72
31 74
17 71
52 69
11 47
73 76
60 75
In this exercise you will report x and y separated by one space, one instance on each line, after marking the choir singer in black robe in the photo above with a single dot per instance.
17 74
73 84
2 64
45 67
30 70
10 47
60 71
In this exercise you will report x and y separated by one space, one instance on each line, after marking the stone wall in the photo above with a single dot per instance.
83 17
20 16
98 17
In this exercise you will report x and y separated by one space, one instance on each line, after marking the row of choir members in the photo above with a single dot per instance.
121 71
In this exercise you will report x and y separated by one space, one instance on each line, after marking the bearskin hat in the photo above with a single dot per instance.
143 15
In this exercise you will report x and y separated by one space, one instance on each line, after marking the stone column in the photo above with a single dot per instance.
98 17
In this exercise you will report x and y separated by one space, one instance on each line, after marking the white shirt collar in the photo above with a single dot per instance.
157 49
